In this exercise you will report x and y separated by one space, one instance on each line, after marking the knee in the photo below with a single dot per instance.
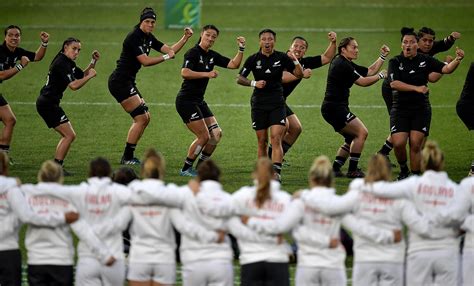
262 142
204 137
363 134
297 129
416 146
9 121
215 135
71 137
275 139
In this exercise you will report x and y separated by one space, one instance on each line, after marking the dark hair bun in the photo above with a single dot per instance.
406 30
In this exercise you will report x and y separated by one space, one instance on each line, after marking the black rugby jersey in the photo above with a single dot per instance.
198 60
341 76
8 59
467 93
270 69
413 71
61 73
136 43
306 63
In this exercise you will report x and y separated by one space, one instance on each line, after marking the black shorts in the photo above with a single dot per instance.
264 273
264 118
465 111
406 120
121 89
10 267
288 110
193 111
387 97
336 115
52 114
3 102
61 275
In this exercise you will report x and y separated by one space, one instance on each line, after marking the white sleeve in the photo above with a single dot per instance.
283 223
115 224
416 222
333 205
367 231
23 211
192 230
305 235
468 224
85 233
169 196
458 209
241 231
221 209
394 190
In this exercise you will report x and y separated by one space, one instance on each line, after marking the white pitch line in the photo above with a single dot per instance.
232 105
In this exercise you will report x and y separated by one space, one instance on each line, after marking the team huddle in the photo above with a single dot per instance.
437 212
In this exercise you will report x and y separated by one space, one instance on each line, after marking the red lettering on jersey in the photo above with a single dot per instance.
436 191
268 206
41 201
99 200
371 199
150 213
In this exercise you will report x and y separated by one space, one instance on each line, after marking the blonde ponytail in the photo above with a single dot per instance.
263 173
432 158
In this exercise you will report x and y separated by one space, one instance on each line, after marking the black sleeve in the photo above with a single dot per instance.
363 71
312 62
220 60
288 63
441 46
190 59
247 67
435 65
30 55
156 44
393 70
78 73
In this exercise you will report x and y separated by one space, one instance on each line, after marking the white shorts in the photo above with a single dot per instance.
433 267
90 272
320 276
468 267
161 273
208 273
377 273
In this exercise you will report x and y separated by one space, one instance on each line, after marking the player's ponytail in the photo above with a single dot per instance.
432 158
51 171
154 165
321 173
379 169
263 173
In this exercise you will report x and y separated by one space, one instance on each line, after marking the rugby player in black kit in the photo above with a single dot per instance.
135 53
268 102
198 68
410 116
465 105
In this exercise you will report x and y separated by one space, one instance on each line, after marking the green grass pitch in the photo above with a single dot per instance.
101 124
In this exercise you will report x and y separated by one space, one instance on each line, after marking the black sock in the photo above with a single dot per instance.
4 148
60 162
270 150
472 166
403 167
203 157
285 146
386 148
416 172
353 161
188 163
338 163
129 150
277 167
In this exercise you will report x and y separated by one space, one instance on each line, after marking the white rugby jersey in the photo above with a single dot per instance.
204 246
372 221
100 199
461 211
431 193
152 235
54 246
14 209
254 246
